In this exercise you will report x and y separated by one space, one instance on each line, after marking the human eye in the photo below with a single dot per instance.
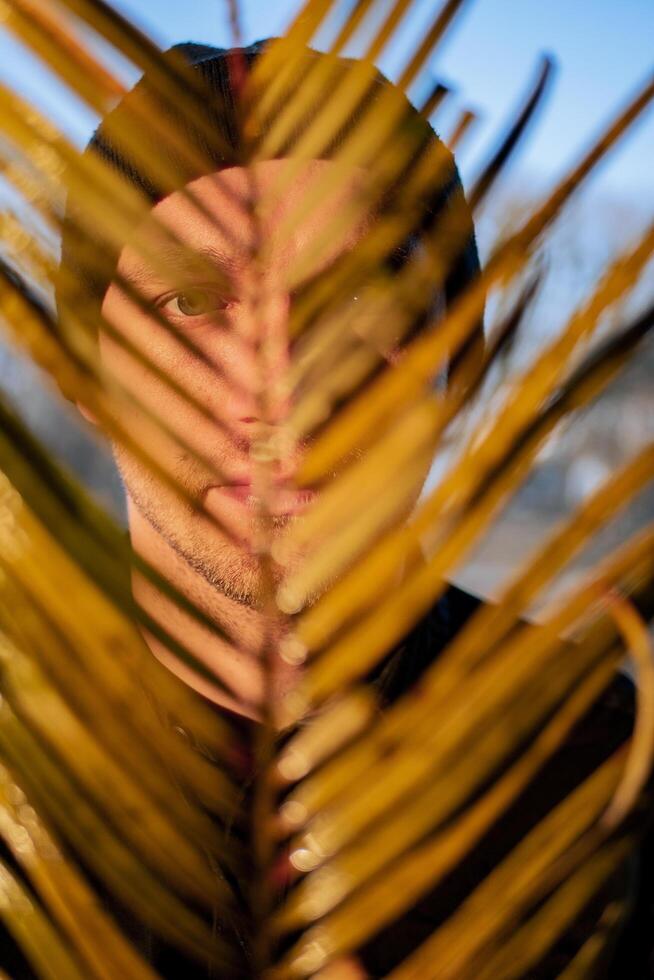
194 302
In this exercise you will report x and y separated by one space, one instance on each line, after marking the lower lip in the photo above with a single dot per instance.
283 502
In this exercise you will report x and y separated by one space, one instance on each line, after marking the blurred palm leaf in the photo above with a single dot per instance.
117 782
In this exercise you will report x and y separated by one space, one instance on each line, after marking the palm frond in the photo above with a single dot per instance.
280 849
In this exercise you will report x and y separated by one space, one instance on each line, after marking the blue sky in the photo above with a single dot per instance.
603 51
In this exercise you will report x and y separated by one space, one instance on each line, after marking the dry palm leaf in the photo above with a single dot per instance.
124 796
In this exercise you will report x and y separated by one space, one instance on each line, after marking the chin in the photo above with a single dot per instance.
230 564
231 568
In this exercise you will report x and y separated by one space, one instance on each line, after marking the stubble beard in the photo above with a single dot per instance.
228 566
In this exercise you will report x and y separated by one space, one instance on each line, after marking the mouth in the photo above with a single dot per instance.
283 502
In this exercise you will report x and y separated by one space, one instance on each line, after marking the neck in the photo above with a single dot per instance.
236 660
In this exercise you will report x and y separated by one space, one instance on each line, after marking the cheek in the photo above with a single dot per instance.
151 410
138 341
143 357
175 434
216 362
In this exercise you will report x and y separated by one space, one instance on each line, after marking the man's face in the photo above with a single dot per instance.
229 305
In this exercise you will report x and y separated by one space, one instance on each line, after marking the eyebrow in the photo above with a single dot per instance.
213 259
186 261
396 257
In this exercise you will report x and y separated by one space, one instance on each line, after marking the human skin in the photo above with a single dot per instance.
230 306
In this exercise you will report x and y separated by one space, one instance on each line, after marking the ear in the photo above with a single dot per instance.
86 413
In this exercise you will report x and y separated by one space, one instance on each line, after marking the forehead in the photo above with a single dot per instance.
296 215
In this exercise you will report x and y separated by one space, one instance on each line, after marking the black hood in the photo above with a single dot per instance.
199 103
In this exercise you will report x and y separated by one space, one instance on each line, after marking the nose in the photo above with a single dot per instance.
263 338
273 350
